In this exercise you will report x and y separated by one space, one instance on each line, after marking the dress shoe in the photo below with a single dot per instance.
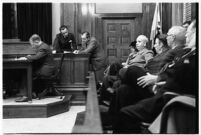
42 94
57 93
34 95
22 99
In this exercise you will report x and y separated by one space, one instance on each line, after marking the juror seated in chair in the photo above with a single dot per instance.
43 63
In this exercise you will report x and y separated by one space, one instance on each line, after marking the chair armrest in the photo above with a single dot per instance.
160 123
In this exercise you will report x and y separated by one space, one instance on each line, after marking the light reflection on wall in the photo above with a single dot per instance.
87 8
84 9
91 9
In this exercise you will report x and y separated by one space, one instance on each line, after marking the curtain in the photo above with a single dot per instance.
9 21
187 12
194 11
35 18
167 16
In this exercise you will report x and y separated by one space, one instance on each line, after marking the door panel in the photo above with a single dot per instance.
118 33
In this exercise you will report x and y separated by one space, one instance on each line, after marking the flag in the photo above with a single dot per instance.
155 24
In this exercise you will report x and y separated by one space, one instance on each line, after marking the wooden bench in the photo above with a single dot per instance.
92 121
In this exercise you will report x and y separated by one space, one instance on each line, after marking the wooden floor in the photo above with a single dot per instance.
47 100
61 123
46 107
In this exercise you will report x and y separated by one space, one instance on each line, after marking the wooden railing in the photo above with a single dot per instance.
92 121
17 48
74 70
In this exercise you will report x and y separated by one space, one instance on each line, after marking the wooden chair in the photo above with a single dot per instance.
178 116
145 126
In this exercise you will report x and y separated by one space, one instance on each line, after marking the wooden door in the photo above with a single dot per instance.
118 34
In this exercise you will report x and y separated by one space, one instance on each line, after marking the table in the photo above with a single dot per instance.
12 63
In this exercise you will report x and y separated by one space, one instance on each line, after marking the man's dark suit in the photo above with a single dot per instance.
129 92
155 64
97 57
43 64
141 58
181 77
62 43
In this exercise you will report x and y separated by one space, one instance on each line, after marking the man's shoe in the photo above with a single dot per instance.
57 93
22 99
42 94
34 95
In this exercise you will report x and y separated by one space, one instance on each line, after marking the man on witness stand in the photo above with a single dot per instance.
97 56
64 41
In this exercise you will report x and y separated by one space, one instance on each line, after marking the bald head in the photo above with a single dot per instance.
35 40
176 36
141 42
143 38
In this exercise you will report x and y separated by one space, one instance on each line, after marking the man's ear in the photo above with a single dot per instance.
174 37
144 44
161 44
37 41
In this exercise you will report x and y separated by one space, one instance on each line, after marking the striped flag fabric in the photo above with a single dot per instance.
155 23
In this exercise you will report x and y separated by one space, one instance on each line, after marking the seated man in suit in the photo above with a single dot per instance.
129 92
143 55
141 58
180 76
133 53
43 63
64 41
111 78
176 41
137 82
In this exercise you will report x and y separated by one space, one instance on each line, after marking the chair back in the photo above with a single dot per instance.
59 66
177 117
61 62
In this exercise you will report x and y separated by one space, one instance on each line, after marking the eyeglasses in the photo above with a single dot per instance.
65 33
170 35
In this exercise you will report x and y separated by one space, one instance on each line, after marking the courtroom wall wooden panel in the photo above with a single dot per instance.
68 17
73 16
194 12
167 14
99 30
80 21
177 16
148 13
